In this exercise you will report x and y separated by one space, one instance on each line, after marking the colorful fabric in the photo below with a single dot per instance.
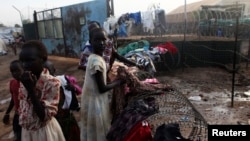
14 90
135 112
151 81
73 81
140 132
169 46
48 89
136 16
95 114
133 46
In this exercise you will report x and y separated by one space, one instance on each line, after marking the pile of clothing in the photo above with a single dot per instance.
134 104
142 53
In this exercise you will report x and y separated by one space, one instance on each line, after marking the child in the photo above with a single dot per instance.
95 114
68 103
16 72
87 49
39 96
109 55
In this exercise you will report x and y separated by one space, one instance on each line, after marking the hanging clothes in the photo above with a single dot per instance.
136 16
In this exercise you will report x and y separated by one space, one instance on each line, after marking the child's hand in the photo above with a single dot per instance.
29 80
6 119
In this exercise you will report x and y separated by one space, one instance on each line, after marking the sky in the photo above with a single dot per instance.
11 11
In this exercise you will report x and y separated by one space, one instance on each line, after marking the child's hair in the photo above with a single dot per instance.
94 22
15 62
42 50
93 32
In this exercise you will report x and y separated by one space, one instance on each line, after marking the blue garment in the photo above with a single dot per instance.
123 30
136 16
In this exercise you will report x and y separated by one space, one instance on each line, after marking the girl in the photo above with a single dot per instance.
16 70
95 114
39 96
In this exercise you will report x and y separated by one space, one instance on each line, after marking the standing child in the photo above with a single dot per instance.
39 96
16 72
95 114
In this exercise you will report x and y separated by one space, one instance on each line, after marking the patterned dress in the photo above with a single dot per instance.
95 114
48 90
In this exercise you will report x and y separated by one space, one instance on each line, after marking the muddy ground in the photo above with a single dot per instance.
209 90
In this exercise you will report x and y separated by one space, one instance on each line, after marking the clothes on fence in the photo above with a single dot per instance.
135 112
169 46
136 17
147 21
122 32
133 46
142 58
140 132
169 132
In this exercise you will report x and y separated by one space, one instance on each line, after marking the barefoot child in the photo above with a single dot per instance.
16 70
39 96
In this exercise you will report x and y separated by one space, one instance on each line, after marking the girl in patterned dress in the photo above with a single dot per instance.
39 95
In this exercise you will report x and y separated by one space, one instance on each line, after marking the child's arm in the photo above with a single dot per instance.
37 104
6 118
101 85
29 81
125 60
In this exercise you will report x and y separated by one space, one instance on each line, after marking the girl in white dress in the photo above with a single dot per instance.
95 111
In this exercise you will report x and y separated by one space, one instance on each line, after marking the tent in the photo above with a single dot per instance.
3 48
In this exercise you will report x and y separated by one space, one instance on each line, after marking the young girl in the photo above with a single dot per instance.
95 114
39 96
16 70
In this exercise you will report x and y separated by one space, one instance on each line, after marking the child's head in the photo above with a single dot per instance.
16 69
33 55
98 37
93 24
50 66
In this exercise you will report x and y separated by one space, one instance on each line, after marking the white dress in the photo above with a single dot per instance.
95 112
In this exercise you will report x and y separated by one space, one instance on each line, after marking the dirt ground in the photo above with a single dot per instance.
209 90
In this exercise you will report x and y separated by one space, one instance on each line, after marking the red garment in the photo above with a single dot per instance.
14 90
169 46
140 132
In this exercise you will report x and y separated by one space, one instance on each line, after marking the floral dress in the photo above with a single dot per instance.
48 89
95 114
